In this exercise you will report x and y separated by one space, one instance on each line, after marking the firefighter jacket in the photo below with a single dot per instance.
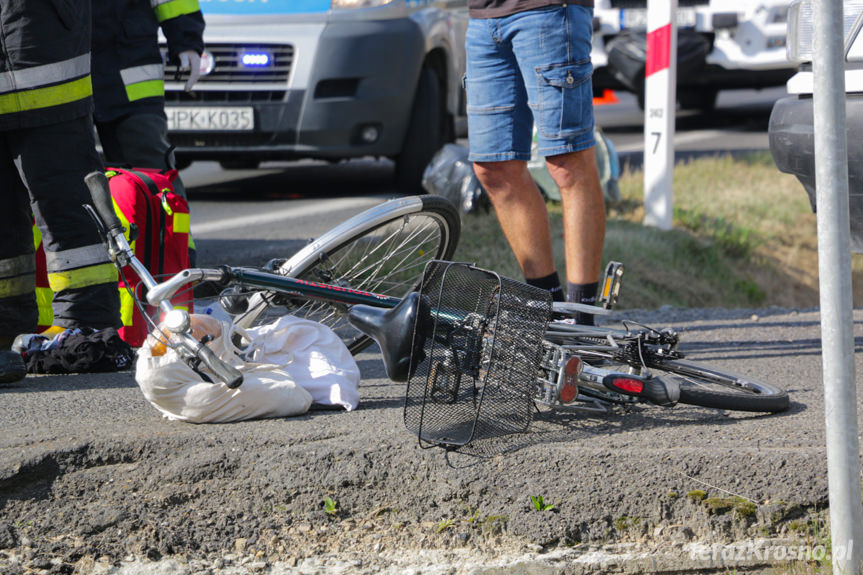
44 62
128 72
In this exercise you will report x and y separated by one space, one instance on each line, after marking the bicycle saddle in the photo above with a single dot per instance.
393 329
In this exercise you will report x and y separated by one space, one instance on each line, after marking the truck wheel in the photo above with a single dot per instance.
425 134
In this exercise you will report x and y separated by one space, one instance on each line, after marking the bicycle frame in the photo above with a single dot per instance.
285 285
402 326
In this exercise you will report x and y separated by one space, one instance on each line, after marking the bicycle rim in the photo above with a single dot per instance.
708 387
382 250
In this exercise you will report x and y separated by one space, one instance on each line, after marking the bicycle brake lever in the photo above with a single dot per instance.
115 252
100 227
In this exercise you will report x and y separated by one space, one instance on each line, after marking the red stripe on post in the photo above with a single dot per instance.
658 50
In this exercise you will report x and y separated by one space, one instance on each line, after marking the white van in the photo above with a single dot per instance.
326 79
722 44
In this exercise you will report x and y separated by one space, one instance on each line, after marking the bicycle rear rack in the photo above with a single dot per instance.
475 377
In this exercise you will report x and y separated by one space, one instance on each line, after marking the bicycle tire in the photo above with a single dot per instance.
383 250
708 387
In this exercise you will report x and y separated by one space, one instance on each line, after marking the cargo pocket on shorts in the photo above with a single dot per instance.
565 99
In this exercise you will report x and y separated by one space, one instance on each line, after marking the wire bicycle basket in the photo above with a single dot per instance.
476 356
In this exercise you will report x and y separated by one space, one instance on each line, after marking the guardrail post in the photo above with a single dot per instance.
834 267
659 111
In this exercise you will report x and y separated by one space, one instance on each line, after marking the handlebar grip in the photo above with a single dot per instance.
100 191
226 373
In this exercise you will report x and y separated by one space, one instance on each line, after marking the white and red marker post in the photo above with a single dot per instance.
659 109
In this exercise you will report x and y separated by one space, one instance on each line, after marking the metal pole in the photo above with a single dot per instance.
660 99
834 267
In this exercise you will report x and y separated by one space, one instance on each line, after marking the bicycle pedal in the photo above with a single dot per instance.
611 285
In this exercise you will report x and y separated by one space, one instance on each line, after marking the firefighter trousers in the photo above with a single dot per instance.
42 173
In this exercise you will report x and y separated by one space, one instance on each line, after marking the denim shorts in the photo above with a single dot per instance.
530 67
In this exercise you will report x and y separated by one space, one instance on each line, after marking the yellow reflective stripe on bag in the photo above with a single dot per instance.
167 9
181 223
44 299
37 237
127 307
122 217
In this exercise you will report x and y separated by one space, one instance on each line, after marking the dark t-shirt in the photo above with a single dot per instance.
498 8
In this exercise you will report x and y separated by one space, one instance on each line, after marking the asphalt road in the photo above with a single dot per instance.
88 469
93 479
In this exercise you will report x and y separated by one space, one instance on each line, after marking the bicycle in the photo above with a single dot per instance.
478 351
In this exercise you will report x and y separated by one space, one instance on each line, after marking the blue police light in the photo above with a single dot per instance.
256 59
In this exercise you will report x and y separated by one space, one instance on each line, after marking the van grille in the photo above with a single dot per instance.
228 67
224 96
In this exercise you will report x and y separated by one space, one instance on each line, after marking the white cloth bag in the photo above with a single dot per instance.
281 360
313 355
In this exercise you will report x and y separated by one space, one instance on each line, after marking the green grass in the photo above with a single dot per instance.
744 235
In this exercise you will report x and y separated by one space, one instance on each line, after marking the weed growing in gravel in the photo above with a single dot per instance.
539 503
331 506
697 495
720 505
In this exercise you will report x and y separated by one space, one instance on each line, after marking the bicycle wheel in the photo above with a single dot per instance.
383 250
708 387
699 385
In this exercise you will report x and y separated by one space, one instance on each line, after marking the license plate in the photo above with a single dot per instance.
222 119
637 18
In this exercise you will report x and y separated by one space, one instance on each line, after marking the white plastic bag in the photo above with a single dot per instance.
313 355
281 360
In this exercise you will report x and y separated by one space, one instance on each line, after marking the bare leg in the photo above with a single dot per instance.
521 212
577 177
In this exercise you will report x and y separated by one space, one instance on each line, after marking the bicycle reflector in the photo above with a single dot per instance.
571 371
625 384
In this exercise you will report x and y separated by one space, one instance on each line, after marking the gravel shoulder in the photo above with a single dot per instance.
92 480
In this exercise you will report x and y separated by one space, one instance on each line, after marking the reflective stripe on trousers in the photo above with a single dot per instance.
17 275
79 267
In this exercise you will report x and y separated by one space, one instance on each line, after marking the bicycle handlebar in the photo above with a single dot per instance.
224 372
158 293
100 191
165 290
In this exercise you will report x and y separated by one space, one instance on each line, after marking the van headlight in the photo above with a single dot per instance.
801 27
340 4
